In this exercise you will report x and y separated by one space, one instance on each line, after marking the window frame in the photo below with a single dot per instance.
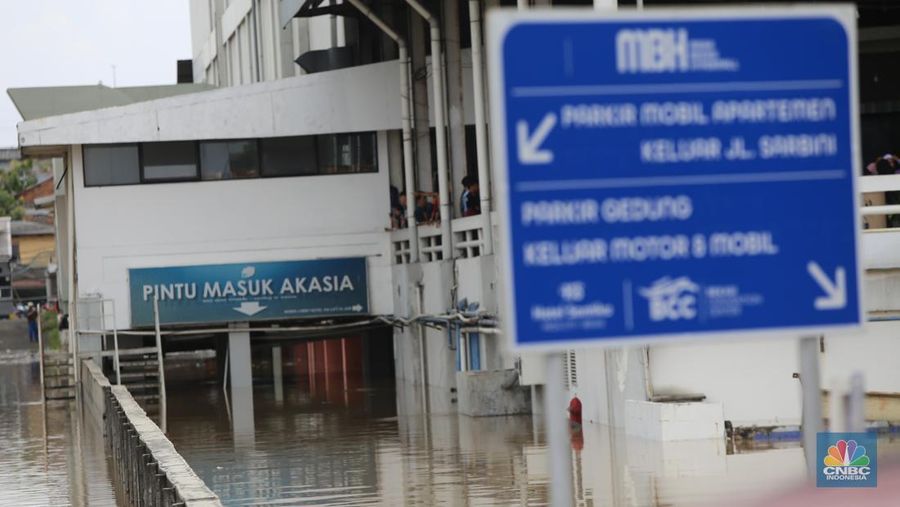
255 140
375 164
258 142
84 165
262 173
154 181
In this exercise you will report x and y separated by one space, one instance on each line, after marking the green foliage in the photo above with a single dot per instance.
19 177
50 329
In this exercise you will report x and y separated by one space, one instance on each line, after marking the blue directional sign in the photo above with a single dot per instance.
676 173
249 291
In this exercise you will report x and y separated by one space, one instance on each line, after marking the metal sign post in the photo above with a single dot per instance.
660 179
812 400
559 453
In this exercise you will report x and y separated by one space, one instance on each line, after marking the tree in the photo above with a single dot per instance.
12 182
19 177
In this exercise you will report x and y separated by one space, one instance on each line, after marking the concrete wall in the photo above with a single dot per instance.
491 393
753 379
94 388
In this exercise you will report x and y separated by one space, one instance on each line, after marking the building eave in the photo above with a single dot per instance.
356 99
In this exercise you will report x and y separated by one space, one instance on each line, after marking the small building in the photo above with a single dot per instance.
33 252
7 155
38 200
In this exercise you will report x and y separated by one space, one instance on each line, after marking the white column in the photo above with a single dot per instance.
277 376
606 4
458 162
241 384
239 362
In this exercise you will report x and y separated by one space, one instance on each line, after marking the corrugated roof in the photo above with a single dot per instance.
10 154
41 102
26 228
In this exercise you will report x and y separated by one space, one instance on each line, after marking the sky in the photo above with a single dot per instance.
77 42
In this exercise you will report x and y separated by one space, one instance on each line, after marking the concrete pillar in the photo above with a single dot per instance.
422 134
243 423
277 377
458 165
241 385
239 360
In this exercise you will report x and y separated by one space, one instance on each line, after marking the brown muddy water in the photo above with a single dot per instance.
297 445
304 448
49 455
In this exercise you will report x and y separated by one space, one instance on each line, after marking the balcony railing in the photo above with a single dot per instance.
876 199
468 240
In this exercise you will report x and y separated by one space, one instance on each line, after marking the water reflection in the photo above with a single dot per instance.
50 455
319 446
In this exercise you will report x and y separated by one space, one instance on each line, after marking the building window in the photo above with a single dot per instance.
468 351
347 153
226 160
111 165
289 156
175 161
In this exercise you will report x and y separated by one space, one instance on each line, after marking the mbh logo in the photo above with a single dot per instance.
672 299
849 460
653 50
660 50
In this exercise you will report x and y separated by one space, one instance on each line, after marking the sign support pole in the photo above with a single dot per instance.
559 456
812 400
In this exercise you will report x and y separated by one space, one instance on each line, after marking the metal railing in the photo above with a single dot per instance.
106 329
150 470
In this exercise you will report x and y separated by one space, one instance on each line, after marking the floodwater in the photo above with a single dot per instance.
48 455
352 448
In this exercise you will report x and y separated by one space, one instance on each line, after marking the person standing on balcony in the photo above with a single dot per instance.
472 198
464 196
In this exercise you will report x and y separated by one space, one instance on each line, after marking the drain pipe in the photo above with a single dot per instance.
406 121
437 75
484 170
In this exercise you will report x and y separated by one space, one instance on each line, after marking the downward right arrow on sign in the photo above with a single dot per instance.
835 296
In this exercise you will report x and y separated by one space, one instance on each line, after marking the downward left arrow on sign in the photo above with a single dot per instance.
529 143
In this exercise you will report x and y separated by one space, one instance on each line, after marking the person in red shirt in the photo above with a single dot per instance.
575 412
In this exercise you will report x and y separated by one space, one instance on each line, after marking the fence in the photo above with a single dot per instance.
148 469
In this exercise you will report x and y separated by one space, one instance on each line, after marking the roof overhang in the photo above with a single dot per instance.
355 99
287 9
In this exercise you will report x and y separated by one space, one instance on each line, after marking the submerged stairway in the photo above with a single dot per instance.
139 371
59 376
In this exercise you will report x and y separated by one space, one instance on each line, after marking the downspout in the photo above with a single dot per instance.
255 25
406 121
437 75
484 170
70 254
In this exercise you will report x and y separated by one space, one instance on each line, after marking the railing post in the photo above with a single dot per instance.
162 373
41 354
116 343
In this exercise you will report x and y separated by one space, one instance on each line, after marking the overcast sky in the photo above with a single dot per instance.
76 42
